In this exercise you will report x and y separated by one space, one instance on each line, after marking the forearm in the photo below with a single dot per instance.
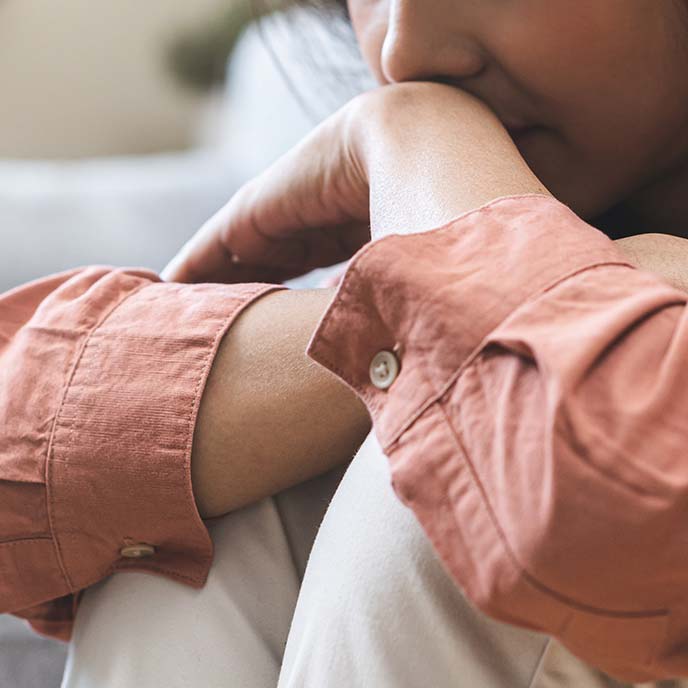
424 170
270 417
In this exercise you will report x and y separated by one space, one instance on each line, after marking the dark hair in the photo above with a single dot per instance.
325 5
320 86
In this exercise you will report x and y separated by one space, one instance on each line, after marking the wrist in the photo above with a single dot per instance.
430 153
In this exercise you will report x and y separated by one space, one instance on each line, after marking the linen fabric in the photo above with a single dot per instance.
536 430
101 375
374 606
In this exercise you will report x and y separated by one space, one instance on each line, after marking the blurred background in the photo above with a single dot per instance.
125 125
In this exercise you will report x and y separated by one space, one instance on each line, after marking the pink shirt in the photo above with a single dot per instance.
537 427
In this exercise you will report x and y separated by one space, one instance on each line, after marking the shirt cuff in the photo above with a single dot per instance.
431 298
119 470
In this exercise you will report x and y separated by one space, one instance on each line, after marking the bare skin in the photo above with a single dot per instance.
309 421
601 84
479 100
270 417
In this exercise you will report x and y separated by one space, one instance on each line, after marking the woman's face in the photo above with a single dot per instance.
594 92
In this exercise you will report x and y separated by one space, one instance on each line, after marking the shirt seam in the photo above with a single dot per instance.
468 361
141 568
50 503
528 577
343 297
24 540
474 211
248 297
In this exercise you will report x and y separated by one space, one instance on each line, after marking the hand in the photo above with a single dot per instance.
309 209
404 157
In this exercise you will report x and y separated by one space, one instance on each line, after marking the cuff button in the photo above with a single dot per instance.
384 369
137 551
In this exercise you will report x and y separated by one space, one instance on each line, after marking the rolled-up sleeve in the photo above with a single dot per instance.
101 375
537 422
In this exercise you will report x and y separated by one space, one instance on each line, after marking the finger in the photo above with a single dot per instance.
203 257
207 256
266 217
268 223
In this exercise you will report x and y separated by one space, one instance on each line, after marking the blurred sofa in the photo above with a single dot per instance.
134 211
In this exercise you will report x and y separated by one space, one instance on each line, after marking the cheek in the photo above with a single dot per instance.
610 86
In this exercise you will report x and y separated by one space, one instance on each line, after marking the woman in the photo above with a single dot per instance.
523 379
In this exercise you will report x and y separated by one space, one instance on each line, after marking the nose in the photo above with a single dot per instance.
422 43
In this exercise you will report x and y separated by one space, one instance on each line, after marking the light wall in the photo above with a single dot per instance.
89 77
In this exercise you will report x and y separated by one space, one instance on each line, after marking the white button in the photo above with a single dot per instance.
384 369
137 551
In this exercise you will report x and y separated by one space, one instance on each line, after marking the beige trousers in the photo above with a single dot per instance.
372 607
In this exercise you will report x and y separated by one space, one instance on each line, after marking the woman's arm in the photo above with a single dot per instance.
101 375
270 417
537 428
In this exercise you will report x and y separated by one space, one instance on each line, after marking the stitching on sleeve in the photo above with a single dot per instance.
534 582
247 298
423 406
51 448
